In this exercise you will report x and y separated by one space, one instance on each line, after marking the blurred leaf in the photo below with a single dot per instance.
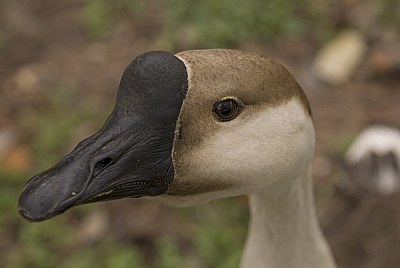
40 245
97 18
108 253
390 10
220 232
169 255
230 22
2 42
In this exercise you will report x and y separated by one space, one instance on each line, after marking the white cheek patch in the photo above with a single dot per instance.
249 153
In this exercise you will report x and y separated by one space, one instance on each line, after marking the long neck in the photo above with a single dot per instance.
284 231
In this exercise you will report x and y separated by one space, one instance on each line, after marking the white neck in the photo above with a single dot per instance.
284 231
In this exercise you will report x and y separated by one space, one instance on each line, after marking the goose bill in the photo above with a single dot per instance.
131 156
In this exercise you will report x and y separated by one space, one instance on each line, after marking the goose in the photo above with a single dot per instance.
197 126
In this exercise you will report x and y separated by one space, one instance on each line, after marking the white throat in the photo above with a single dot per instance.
266 153
283 230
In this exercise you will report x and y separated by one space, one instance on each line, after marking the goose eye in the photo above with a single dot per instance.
226 109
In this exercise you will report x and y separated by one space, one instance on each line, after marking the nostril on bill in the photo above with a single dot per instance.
102 164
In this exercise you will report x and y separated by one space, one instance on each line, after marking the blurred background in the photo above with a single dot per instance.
60 65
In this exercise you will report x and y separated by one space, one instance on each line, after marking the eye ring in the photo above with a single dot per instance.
227 108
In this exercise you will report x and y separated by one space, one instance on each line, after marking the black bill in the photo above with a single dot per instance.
130 156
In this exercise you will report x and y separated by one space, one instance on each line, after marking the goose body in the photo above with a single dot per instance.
193 127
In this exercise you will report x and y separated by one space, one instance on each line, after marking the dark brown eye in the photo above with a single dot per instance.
226 109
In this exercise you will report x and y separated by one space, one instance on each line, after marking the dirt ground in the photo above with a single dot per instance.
44 45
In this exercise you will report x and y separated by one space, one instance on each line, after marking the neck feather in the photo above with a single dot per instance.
284 230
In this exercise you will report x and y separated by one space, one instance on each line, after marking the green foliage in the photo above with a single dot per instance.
97 18
217 237
99 15
51 131
343 141
390 12
230 22
51 139
169 255
217 23
51 244
40 245
2 42
220 238
108 253
11 183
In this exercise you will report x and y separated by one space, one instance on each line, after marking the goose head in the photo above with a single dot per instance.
186 129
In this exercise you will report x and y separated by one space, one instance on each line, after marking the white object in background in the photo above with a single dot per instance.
339 59
375 156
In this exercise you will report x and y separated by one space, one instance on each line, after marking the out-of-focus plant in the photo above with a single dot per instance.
97 18
107 253
390 11
168 254
212 244
215 244
2 42
99 15
232 22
